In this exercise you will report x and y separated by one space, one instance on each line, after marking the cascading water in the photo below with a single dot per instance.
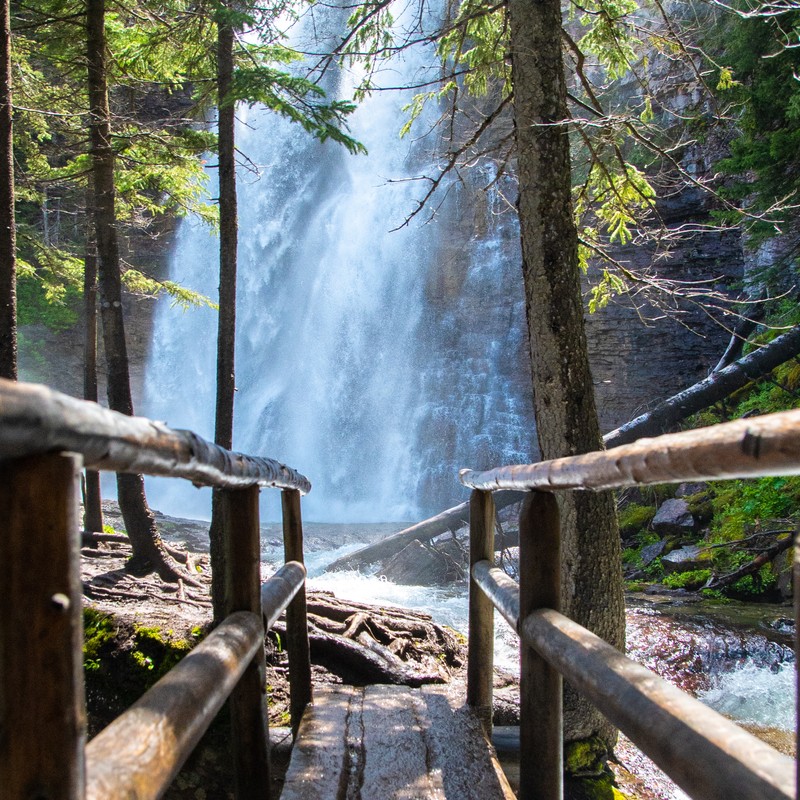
375 362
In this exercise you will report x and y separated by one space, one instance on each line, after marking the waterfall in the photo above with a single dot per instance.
375 361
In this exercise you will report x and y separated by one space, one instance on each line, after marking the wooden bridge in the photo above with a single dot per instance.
351 743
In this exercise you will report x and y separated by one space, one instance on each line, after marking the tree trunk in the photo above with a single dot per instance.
148 549
92 508
668 413
564 405
228 242
8 243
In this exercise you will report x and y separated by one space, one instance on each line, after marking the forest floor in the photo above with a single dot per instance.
136 603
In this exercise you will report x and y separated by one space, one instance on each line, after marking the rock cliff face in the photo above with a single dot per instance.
472 404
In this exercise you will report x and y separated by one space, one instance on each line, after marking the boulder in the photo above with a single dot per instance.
651 552
417 565
686 559
673 518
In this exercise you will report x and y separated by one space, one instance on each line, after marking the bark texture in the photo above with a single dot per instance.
566 417
228 243
148 549
92 507
8 241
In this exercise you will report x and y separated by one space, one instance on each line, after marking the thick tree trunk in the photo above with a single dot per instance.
228 243
8 243
148 549
92 508
564 406
668 413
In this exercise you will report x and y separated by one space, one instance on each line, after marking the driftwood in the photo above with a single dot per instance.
379 645
754 566
747 323
667 414
450 520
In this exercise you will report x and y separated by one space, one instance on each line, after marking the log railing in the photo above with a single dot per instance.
708 756
46 438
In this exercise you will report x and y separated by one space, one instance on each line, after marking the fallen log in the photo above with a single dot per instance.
668 413
754 566
450 520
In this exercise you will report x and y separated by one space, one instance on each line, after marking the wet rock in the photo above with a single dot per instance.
651 552
673 518
686 559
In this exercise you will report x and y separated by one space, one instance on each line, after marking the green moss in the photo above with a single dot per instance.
692 579
635 517
587 776
585 756
98 631
596 788
157 650
702 507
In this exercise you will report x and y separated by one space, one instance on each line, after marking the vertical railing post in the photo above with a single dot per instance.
248 701
42 701
796 592
297 645
541 723
480 664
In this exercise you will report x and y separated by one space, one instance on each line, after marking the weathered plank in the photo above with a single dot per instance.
42 715
321 759
35 419
297 644
396 758
746 448
480 663
392 743
248 700
456 740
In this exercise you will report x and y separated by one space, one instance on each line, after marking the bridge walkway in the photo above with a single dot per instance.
392 743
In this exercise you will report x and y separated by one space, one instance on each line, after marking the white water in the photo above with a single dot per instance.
754 694
353 364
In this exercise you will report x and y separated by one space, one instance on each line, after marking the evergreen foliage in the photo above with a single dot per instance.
762 63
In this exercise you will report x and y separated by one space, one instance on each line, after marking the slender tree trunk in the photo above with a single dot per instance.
566 417
92 507
8 242
228 243
148 549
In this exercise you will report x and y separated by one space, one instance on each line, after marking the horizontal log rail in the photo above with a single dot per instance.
35 419
46 438
139 754
279 591
706 754
746 448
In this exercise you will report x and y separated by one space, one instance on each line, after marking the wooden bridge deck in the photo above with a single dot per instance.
392 743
